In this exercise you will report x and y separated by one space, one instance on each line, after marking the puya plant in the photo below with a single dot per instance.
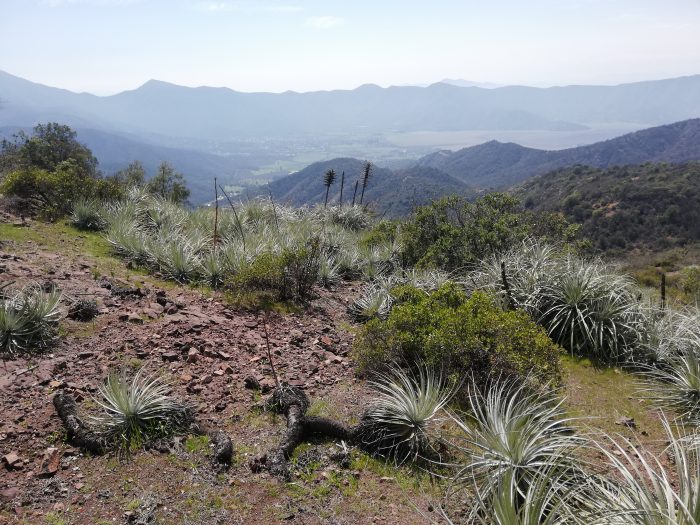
134 411
515 451
406 405
28 320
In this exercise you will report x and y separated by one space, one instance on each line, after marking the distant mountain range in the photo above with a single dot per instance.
254 132
492 165
498 165
160 108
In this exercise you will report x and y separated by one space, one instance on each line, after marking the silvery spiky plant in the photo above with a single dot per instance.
135 410
546 500
590 311
397 422
213 269
328 271
375 302
643 491
28 320
87 214
674 385
510 435
666 333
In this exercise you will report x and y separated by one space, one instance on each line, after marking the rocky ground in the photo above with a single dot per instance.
215 356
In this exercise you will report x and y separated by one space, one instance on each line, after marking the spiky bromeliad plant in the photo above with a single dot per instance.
397 423
590 311
137 410
645 491
88 214
28 320
675 385
510 436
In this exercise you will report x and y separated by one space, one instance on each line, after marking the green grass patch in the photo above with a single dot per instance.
602 395
197 444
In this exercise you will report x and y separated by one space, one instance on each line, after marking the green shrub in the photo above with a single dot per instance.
462 335
289 275
266 272
452 233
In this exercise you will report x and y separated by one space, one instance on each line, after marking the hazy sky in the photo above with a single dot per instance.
105 46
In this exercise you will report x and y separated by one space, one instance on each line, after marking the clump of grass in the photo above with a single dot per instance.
29 320
397 422
137 410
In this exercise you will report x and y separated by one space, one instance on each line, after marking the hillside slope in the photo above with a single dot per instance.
392 192
497 165
648 207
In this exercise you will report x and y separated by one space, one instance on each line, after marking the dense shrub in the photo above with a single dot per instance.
289 275
462 335
452 232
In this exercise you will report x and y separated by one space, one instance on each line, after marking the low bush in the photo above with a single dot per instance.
462 335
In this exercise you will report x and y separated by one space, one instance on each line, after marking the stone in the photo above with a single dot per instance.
50 462
11 460
251 383
626 422
9 494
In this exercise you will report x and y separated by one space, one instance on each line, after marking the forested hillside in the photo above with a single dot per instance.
648 206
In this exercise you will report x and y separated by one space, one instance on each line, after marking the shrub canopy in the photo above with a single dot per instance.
464 335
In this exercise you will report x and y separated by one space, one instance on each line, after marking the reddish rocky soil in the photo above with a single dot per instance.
207 350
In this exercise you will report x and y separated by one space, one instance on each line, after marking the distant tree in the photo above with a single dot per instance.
48 146
169 184
50 169
328 180
133 175
342 184
365 179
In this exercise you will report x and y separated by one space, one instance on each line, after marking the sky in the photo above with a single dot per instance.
107 46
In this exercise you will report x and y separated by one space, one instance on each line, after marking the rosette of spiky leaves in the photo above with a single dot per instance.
213 269
375 302
666 333
643 491
396 424
136 410
511 434
328 271
674 385
87 214
590 311
548 499
29 320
